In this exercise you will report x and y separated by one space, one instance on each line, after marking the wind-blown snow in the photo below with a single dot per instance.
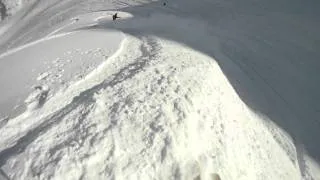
97 99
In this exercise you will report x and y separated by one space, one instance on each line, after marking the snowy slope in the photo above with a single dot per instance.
165 92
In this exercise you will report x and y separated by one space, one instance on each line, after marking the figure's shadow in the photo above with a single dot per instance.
269 51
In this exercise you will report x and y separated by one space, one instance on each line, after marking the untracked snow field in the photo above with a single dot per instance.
163 92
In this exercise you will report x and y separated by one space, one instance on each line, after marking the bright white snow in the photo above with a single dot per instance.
138 98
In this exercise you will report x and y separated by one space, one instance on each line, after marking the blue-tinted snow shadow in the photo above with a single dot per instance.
269 51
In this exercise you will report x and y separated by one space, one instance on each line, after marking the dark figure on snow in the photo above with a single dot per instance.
115 16
164 4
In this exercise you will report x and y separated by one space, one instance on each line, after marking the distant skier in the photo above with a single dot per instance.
115 16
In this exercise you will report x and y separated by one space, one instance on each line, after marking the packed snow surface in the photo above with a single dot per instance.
145 97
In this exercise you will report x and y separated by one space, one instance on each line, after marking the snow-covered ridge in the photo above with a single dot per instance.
143 115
